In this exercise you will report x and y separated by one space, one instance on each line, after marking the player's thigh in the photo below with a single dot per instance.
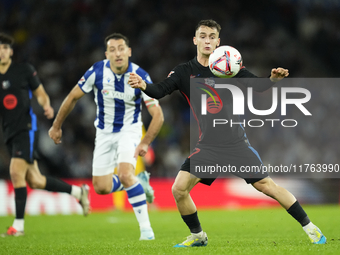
105 153
128 141
34 178
102 184
126 174
23 145
184 182
18 169
22 148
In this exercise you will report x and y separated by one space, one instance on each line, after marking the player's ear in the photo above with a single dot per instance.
106 54
194 40
219 41
11 53
130 52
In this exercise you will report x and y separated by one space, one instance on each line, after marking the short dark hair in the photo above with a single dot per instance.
6 39
116 36
209 23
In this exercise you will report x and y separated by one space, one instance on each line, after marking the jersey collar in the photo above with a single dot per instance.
129 70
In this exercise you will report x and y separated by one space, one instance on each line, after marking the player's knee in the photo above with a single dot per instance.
16 176
267 188
101 188
178 192
126 178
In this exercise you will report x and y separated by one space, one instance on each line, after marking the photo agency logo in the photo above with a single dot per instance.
213 95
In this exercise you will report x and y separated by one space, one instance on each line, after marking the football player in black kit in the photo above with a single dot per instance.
19 125
207 39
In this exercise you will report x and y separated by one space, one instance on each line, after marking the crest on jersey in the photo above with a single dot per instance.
6 84
171 73
105 92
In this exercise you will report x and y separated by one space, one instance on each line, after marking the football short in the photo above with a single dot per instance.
237 160
24 145
114 148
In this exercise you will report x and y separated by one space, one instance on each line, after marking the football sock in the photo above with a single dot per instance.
137 199
76 191
18 224
299 214
308 227
116 184
192 222
20 202
57 185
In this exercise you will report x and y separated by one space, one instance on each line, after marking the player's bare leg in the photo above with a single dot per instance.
181 188
137 198
271 189
102 184
38 181
289 202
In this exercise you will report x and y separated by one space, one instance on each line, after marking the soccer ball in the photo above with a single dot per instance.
225 62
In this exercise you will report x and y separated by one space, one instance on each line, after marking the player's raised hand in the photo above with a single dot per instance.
55 134
278 74
136 82
141 150
49 112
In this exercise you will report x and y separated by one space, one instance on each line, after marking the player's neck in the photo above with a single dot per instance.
4 66
203 60
119 71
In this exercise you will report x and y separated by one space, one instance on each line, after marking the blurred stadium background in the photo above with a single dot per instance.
63 38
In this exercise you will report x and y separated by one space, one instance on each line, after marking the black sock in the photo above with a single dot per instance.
20 202
299 214
57 185
192 222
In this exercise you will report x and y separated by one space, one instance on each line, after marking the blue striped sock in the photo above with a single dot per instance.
116 184
137 199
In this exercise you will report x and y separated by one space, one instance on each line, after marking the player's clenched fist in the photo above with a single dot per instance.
278 74
55 134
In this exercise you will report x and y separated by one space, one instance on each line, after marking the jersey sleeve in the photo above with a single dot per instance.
86 83
259 87
33 79
166 87
149 101
245 73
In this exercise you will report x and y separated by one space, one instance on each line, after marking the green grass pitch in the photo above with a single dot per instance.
260 231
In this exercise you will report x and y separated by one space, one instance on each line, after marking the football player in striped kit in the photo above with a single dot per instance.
118 125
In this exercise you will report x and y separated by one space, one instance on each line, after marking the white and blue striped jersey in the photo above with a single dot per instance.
118 105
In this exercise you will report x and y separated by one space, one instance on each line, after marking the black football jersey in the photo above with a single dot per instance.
179 79
16 87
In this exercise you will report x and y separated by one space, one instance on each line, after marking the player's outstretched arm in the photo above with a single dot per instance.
44 101
66 107
278 74
153 130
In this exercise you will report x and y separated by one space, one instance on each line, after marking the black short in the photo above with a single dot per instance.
239 160
24 145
